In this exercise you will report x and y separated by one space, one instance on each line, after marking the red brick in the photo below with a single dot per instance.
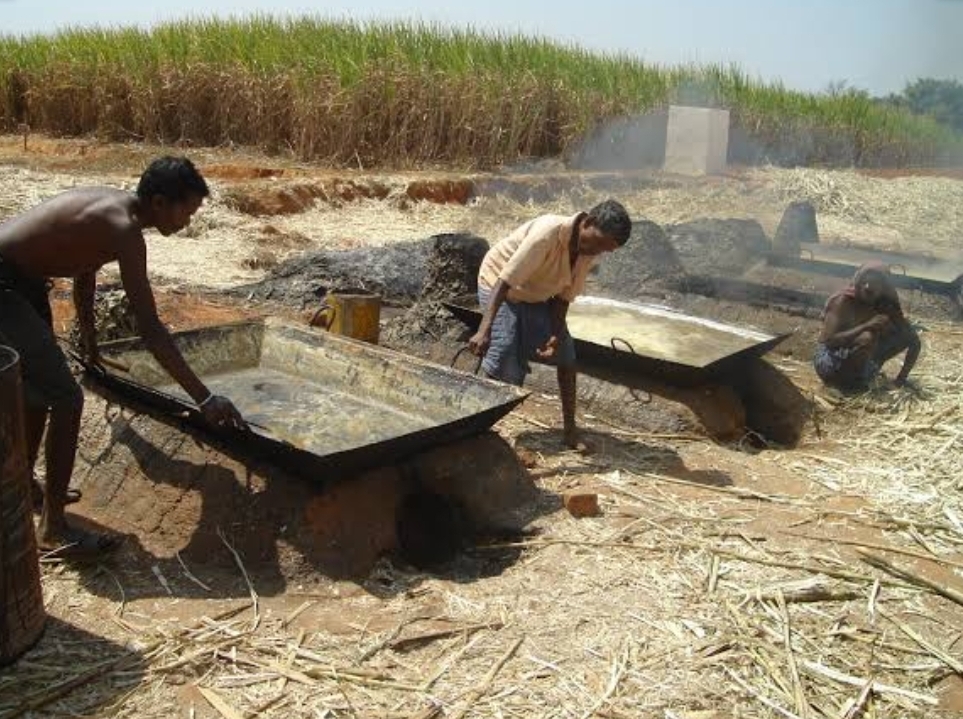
580 503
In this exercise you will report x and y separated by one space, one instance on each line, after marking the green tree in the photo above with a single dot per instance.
941 99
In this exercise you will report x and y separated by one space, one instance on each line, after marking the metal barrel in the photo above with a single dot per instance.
22 615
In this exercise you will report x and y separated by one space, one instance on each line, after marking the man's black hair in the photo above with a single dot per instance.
174 178
612 219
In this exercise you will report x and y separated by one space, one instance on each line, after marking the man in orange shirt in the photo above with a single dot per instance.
526 283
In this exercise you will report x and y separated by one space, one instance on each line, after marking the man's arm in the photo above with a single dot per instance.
912 354
482 338
559 317
834 334
133 274
85 287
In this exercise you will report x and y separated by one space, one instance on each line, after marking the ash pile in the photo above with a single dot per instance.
397 271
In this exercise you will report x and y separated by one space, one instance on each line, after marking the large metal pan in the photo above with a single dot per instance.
652 340
319 404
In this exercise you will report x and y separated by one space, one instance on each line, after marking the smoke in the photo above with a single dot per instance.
638 141
624 143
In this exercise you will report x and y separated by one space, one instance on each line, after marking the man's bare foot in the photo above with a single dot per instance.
37 490
572 441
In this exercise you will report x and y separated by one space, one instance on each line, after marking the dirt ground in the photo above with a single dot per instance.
717 580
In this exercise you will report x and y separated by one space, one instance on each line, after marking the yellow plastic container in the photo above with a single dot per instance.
351 314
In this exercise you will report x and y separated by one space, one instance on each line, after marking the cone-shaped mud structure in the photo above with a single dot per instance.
174 492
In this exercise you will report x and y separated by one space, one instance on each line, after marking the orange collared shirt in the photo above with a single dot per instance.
534 261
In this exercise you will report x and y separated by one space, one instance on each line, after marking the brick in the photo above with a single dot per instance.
580 503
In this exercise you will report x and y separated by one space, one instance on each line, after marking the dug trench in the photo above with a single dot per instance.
185 498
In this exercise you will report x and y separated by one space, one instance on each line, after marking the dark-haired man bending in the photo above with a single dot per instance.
73 235
525 285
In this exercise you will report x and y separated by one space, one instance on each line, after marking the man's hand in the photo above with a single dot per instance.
480 342
907 384
548 351
220 412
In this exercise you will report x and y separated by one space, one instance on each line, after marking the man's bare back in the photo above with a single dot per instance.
72 234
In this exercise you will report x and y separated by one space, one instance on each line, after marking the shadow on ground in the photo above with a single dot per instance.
616 453
70 672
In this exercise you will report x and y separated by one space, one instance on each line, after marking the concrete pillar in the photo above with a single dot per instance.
697 140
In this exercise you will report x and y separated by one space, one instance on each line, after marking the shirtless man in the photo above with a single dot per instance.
73 235
525 285
863 327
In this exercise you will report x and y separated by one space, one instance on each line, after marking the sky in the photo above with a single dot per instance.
876 45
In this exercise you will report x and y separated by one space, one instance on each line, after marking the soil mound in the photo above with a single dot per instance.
647 259
717 246
271 198
798 224
451 275
453 267
174 491
396 271
441 192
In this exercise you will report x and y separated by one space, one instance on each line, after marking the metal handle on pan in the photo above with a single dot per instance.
115 364
462 351
88 366
621 341
632 391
